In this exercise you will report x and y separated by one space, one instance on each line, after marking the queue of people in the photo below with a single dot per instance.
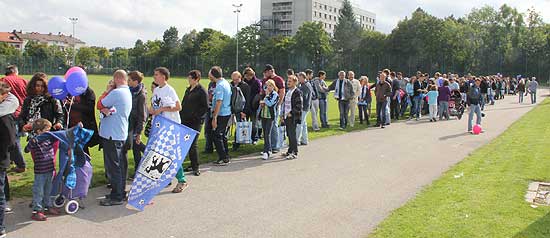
277 109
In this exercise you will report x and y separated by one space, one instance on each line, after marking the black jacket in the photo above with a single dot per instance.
484 86
51 110
7 140
138 115
194 106
296 105
83 110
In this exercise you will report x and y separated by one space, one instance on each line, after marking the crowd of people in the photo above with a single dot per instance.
277 107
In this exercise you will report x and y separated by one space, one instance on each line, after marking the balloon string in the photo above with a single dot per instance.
69 111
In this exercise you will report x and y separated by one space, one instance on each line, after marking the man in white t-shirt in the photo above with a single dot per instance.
165 100
166 103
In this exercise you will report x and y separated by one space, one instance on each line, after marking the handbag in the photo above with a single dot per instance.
243 133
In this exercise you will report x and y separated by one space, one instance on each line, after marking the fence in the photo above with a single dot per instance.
360 64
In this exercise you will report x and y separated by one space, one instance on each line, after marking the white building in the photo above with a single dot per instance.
284 17
60 40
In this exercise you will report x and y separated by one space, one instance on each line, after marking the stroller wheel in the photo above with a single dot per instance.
71 207
59 201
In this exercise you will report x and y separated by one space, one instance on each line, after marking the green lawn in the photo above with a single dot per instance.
489 200
20 184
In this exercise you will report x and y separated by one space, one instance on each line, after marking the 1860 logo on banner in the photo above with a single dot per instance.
154 165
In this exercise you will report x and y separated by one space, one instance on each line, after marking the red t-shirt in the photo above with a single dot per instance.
18 88
279 82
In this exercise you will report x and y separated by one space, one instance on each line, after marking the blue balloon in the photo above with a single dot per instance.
77 83
56 88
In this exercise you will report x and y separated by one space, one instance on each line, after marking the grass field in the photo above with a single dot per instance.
20 184
489 200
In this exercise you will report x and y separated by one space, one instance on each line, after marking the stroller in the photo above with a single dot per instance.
456 105
73 178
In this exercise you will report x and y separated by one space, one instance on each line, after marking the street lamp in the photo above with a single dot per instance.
237 11
74 20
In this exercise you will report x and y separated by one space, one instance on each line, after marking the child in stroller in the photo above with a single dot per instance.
456 105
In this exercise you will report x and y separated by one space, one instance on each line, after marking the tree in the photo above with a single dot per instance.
347 33
170 43
8 50
88 57
139 49
313 43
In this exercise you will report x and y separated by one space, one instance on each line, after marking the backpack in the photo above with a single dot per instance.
238 100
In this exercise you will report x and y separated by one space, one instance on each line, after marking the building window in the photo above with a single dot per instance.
325 16
325 7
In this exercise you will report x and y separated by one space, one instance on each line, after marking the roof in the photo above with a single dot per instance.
44 38
9 37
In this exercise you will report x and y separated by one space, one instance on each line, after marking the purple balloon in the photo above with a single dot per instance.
77 83
72 70
56 88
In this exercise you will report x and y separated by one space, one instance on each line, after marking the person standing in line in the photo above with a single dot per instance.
236 81
221 112
292 114
194 107
165 102
474 101
521 90
255 97
314 99
343 93
484 91
208 131
8 105
365 100
269 73
138 116
443 100
267 113
432 102
533 86
396 97
382 92
353 102
113 130
389 79
323 90
18 87
306 89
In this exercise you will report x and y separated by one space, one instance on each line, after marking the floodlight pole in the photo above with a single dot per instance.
74 20
237 11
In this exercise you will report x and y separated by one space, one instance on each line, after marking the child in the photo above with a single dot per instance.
43 157
267 114
365 99
432 102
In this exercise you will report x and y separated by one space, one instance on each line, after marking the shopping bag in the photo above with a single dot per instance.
243 132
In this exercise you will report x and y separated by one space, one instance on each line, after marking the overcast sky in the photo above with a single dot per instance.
121 22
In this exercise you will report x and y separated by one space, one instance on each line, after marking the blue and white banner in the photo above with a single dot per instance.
167 147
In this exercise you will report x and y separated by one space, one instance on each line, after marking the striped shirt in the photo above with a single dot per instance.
42 154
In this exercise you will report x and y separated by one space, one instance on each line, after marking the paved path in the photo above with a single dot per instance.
341 186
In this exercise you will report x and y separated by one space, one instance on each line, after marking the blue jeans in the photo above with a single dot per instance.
323 112
275 130
343 106
417 106
381 110
117 167
521 96
533 97
474 108
41 191
388 115
301 129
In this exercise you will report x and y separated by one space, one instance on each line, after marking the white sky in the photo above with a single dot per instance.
122 22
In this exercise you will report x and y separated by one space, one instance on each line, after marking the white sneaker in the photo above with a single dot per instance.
265 156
